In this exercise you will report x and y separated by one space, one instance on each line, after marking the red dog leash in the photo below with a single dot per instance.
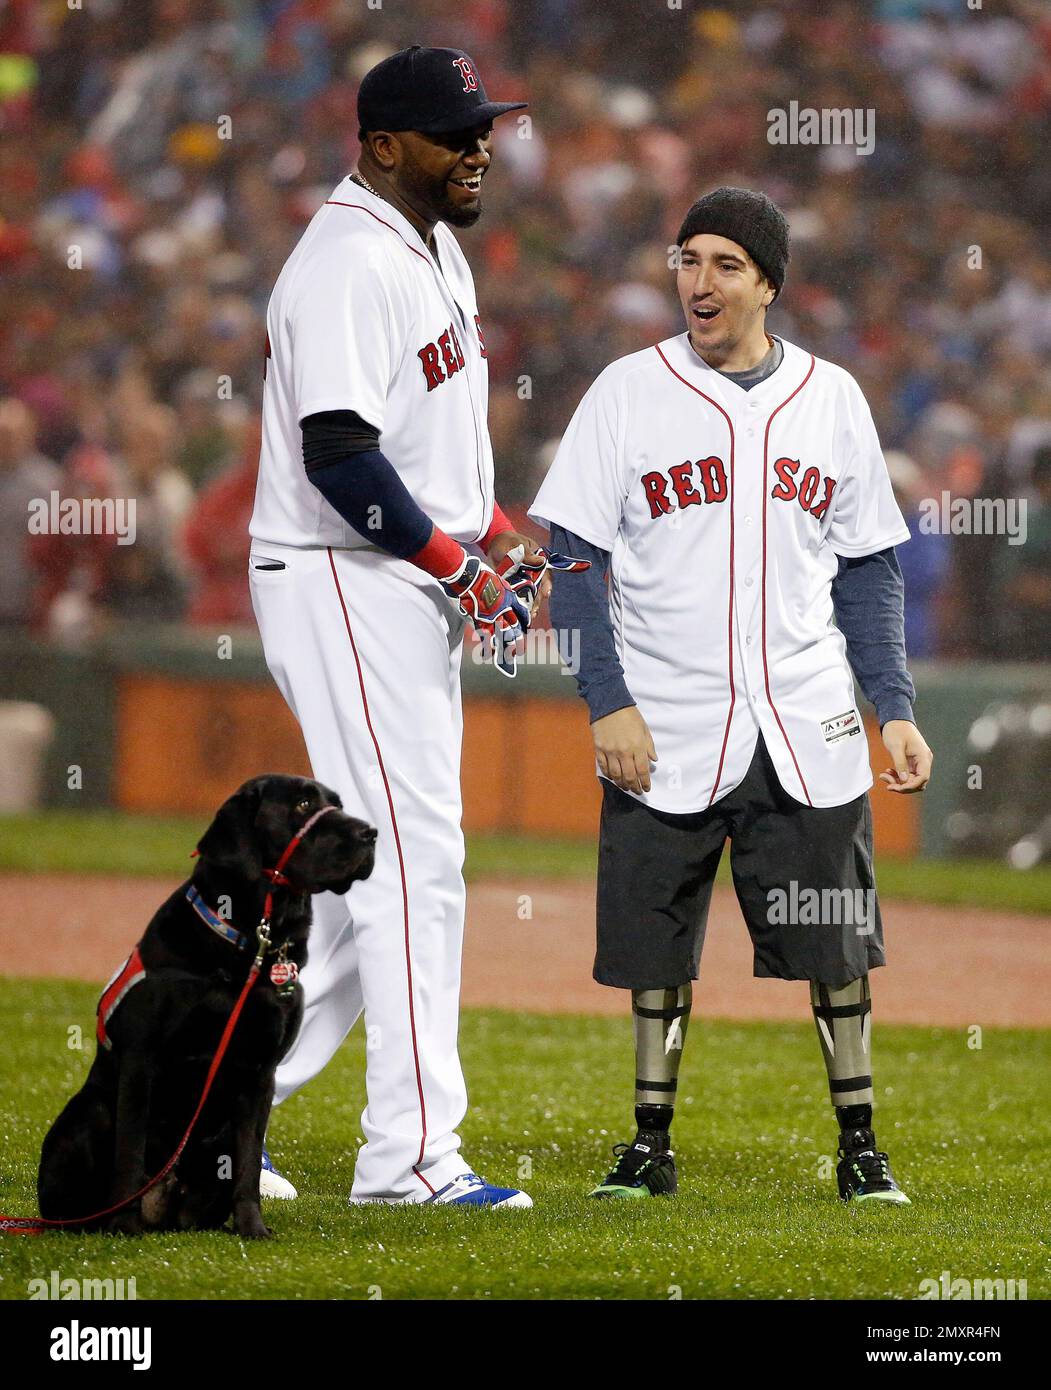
37 1225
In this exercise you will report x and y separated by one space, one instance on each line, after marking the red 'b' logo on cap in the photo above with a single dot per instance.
470 81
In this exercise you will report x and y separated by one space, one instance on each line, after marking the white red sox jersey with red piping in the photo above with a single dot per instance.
726 512
364 317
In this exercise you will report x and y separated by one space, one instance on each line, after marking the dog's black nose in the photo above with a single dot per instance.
368 835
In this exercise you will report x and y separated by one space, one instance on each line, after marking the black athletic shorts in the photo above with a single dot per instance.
803 876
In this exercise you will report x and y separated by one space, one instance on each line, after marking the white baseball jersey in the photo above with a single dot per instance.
364 317
725 511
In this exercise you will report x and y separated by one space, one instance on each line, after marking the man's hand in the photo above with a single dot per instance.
912 758
624 748
507 540
495 610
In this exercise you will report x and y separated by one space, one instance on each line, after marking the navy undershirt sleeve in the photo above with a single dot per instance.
369 495
580 616
868 598
343 460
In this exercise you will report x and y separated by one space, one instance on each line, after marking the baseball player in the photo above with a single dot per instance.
376 472
732 487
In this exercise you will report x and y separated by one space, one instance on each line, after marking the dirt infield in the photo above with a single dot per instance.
949 967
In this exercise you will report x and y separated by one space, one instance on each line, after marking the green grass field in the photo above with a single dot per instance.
95 842
968 1132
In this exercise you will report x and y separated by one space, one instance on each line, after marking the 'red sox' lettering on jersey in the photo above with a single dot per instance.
675 489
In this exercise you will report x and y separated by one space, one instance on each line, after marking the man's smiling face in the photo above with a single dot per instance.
440 176
722 292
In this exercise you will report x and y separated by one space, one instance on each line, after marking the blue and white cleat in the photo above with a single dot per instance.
469 1190
272 1184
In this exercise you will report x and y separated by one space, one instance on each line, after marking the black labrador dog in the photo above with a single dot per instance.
161 1017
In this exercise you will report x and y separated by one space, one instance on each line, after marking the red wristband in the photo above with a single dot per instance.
441 556
499 523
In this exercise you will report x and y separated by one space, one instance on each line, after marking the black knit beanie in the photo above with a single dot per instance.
751 219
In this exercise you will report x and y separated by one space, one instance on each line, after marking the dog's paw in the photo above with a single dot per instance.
127 1223
256 1231
156 1204
250 1225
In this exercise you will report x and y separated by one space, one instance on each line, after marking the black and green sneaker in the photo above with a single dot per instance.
645 1168
863 1172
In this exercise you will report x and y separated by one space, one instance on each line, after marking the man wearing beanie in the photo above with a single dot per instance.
732 488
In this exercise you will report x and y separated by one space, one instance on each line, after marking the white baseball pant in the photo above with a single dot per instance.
366 651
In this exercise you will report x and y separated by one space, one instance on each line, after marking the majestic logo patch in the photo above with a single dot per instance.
841 726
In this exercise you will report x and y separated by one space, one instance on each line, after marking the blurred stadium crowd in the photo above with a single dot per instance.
138 247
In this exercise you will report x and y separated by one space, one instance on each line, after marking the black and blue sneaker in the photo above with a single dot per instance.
863 1172
645 1168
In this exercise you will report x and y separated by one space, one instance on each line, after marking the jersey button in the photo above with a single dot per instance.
748 585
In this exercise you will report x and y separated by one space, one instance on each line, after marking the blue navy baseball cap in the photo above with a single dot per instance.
432 90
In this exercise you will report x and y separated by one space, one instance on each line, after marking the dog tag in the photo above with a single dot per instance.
284 974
